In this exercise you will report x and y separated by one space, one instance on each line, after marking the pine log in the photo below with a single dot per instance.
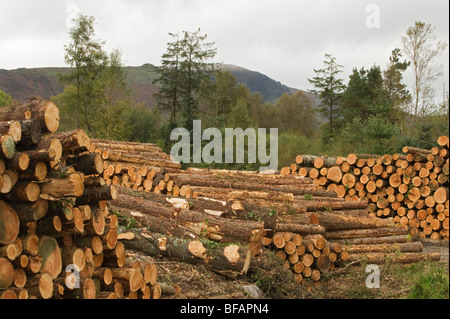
324 161
334 174
228 261
73 256
299 228
363 233
8 147
139 159
50 253
385 248
125 146
71 186
441 195
132 276
374 240
90 163
36 171
443 141
319 205
333 221
403 258
11 128
29 212
6 273
214 228
75 141
41 286
31 133
322 263
94 194
45 111
414 150
97 221
9 224
155 224
51 145
31 244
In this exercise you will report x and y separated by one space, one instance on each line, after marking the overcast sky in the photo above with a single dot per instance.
283 39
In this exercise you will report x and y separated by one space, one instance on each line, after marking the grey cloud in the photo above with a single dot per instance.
283 39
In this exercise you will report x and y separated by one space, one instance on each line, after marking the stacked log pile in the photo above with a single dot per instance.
57 237
288 214
411 187
309 256
138 166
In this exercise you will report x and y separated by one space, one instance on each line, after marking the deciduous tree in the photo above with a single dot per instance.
86 57
422 48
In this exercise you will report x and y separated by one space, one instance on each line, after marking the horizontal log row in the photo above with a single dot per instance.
57 236
412 187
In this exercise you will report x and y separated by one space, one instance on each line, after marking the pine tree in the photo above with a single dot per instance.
169 79
365 95
183 68
393 77
329 89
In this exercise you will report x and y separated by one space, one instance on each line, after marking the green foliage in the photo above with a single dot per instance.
369 115
218 96
127 222
398 91
349 139
87 58
291 144
263 280
239 116
296 114
144 123
432 284
5 99
329 88
364 95
183 69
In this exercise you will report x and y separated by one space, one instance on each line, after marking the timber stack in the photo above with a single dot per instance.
138 166
56 233
305 226
411 187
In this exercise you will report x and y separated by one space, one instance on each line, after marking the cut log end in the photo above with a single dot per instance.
51 117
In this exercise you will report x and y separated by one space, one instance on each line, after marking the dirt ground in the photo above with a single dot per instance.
197 282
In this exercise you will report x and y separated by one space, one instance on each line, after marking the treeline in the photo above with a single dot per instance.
374 112
96 96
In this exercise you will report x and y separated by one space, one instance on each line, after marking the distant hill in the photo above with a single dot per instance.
22 84
269 89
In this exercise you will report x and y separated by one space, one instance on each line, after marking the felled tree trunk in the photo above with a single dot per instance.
45 111
228 260
9 223
403 258
212 227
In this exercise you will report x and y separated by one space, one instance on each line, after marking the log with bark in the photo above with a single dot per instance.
212 227
228 260
45 111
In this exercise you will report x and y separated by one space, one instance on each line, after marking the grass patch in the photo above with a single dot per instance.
429 281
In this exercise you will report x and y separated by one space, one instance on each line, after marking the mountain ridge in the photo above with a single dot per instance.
24 83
